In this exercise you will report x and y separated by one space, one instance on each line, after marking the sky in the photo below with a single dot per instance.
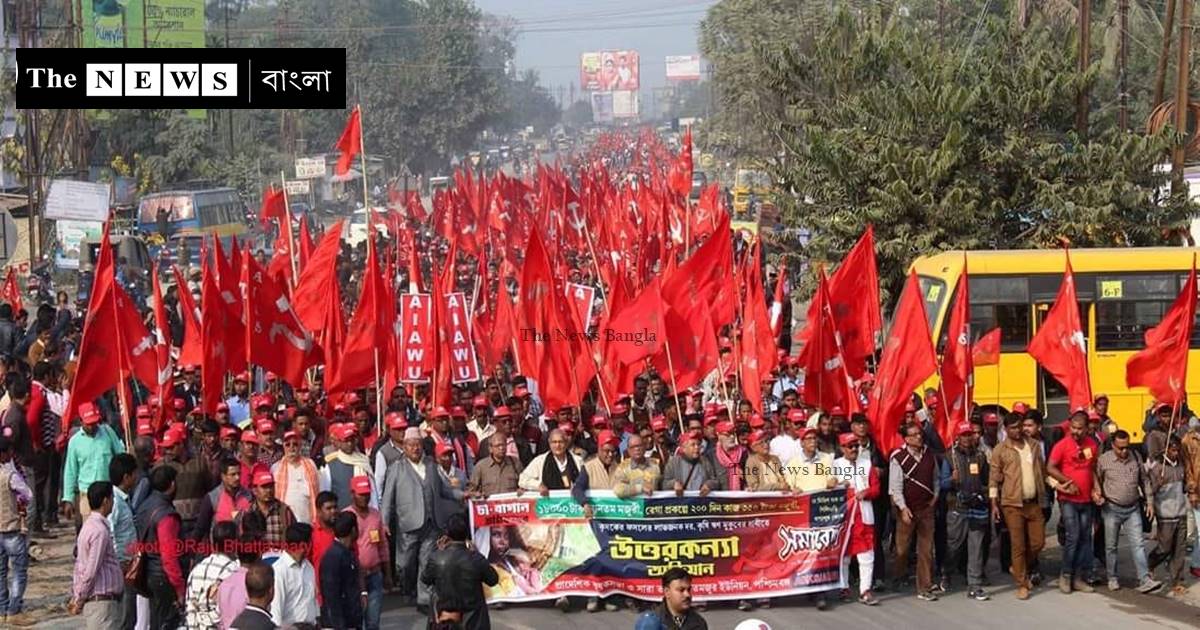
553 33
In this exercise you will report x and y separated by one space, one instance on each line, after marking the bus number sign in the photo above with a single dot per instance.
1111 289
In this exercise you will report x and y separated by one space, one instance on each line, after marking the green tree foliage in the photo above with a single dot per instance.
944 136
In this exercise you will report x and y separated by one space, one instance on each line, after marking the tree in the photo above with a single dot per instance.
578 115
942 148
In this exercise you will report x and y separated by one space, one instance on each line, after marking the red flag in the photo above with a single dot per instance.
1059 345
494 347
958 374
826 383
277 340
274 205
350 143
643 316
987 349
1162 365
11 293
693 346
680 177
706 277
777 300
229 283
908 358
312 294
758 346
854 298
306 243
367 339
542 321
213 324
166 368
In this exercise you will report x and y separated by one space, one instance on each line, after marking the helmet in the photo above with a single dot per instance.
752 624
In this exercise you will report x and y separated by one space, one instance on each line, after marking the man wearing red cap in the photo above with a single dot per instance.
688 471
278 515
597 474
636 474
728 456
189 390
789 378
515 444
372 550
479 424
787 445
451 495
465 442
967 509
811 470
269 450
854 470
662 448
439 431
764 471
193 478
89 453
297 480
239 401
248 458
344 463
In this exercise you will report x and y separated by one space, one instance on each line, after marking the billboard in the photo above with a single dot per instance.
609 70
683 67
602 107
625 104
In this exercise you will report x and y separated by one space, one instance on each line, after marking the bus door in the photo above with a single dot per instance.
1052 396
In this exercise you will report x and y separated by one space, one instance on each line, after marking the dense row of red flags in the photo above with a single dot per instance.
666 269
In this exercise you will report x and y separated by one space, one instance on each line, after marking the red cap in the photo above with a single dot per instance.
480 401
726 343
964 427
808 432
909 407
179 404
264 400
89 413
931 400
290 435
599 422
607 437
143 411
1093 415
227 432
169 439
566 426
396 420
153 401
991 418
250 437
501 412
442 447
846 439
264 478
710 420
1020 407
757 422
520 391
353 398
346 431
837 411
796 416
222 407
145 428
658 423
758 436
340 407
360 484
264 426
692 435
725 427
458 412
439 412
243 377
620 409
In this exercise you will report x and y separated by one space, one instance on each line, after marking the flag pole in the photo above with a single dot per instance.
287 215
371 235
674 385
595 263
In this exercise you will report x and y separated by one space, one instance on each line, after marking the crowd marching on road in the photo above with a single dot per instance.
249 498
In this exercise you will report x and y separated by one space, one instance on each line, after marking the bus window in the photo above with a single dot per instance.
1011 289
1012 319
1122 325
934 292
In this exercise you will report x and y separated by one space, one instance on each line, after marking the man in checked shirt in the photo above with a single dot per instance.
98 584
15 497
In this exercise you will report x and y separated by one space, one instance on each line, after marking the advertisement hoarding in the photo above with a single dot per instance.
71 235
683 67
79 201
625 104
602 107
610 70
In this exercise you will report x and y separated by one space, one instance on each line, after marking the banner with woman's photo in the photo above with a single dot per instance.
736 545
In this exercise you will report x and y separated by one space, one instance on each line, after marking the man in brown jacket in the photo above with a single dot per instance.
1016 485
1191 481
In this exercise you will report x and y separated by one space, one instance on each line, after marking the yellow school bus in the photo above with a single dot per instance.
1122 292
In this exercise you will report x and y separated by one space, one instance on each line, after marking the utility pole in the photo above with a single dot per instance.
1178 186
228 112
1160 74
1085 36
1122 65
29 17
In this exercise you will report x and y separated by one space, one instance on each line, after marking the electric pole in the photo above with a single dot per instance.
1178 186
1085 35
1160 74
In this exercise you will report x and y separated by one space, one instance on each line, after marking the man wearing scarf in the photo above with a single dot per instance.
554 470
729 456
344 464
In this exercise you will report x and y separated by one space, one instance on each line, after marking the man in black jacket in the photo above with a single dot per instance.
260 590
9 335
456 573
675 612
342 590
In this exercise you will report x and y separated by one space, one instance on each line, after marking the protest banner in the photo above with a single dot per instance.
736 545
